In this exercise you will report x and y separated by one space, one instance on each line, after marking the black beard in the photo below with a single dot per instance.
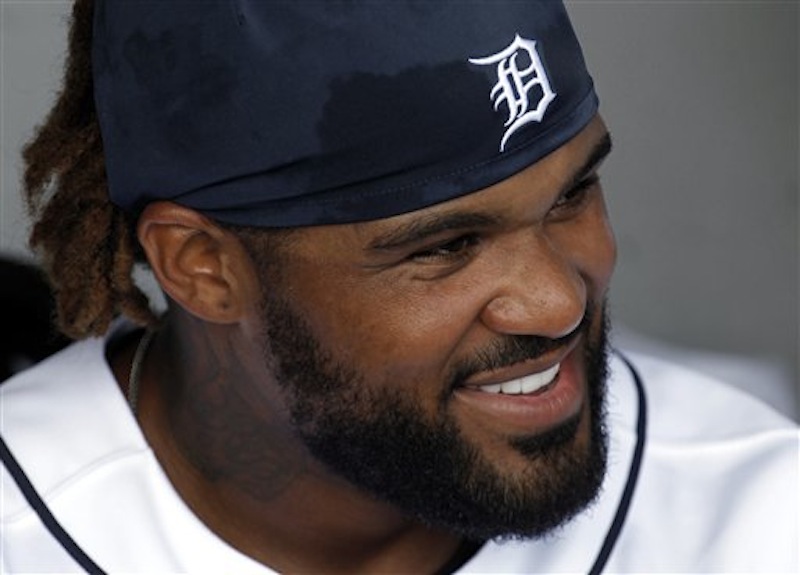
382 442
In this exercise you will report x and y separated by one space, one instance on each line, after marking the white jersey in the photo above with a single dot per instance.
702 478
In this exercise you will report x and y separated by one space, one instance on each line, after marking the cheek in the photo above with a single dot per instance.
417 329
603 252
591 247
391 328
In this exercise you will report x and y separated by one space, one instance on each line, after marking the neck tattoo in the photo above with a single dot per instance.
135 376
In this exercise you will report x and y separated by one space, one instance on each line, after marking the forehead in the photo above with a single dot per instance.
541 182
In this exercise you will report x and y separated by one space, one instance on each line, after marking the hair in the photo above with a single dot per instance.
87 245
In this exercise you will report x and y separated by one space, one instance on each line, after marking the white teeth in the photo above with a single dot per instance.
496 388
528 384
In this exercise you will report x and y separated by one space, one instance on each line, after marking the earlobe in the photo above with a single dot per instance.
202 267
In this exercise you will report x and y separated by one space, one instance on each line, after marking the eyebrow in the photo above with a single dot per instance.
599 152
430 225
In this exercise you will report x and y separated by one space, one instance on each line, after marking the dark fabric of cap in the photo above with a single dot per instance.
303 112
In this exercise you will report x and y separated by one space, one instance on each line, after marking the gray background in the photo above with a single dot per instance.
702 101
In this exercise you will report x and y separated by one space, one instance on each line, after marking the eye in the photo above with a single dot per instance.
574 198
451 250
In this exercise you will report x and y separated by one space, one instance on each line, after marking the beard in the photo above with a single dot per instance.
380 439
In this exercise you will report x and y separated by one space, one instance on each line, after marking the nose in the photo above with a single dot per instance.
538 290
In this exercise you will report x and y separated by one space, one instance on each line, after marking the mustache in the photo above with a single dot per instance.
514 349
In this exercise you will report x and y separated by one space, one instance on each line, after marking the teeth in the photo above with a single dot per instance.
496 388
528 384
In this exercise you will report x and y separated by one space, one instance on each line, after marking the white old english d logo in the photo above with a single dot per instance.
514 85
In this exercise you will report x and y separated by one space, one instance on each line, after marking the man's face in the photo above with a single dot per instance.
451 361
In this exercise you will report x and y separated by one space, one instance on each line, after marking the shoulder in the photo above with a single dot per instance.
63 418
718 487
69 427
688 405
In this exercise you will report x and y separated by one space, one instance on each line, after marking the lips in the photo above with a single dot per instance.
528 397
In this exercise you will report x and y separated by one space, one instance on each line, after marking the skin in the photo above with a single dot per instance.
402 306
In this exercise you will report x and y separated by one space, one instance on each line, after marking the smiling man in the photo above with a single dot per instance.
427 332
383 243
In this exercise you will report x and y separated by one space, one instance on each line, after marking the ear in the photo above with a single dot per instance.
201 266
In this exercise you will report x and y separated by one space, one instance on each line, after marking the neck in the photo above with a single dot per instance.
221 433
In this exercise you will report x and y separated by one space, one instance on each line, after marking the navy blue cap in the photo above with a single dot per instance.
291 113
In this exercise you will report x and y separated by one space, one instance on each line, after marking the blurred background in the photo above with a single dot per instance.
702 101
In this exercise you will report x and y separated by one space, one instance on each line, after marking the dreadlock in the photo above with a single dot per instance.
86 244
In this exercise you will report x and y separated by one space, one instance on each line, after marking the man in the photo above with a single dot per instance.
385 253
